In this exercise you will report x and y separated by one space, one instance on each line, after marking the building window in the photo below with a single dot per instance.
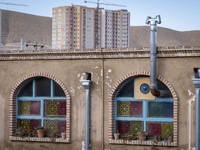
41 102
153 115
136 109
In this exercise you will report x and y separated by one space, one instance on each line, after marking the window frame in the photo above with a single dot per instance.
145 119
13 104
42 100
111 111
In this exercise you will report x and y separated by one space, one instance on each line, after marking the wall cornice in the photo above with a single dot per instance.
180 51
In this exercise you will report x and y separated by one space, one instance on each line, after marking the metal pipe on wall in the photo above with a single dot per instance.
196 82
153 51
0 27
190 120
86 84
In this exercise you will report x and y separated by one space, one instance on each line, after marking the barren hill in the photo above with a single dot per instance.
139 37
33 29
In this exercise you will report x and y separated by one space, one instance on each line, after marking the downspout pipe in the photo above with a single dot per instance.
0 28
196 82
190 120
87 84
153 51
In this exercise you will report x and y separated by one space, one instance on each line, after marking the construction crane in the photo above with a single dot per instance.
98 3
4 3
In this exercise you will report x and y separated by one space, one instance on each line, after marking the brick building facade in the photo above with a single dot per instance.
111 70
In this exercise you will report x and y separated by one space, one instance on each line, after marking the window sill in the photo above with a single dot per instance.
138 142
36 139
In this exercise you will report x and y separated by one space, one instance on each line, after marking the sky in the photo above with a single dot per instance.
180 15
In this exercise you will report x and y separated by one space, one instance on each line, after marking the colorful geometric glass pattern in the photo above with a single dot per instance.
28 124
55 108
154 129
136 126
161 109
29 108
62 108
160 128
123 108
55 126
61 126
136 109
129 109
124 127
35 108
166 129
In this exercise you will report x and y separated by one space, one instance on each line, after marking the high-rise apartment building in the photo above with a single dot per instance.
80 27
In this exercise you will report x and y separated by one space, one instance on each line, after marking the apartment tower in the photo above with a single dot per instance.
79 27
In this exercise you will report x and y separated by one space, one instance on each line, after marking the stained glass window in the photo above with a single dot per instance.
137 114
42 102
55 108
28 124
29 107
161 109
129 108
55 126
160 128
136 109
125 127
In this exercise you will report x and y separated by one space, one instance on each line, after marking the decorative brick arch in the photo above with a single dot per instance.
13 98
111 104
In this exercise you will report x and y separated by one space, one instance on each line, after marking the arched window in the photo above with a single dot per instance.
136 109
41 102
132 108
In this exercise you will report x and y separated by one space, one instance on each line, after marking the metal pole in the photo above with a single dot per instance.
153 50
86 84
36 46
197 119
22 44
153 36
0 27
196 82
190 119
153 44
87 118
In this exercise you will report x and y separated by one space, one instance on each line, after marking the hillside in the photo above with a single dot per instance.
140 37
33 29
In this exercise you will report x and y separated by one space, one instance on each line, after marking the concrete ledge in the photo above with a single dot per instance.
138 142
36 139
181 51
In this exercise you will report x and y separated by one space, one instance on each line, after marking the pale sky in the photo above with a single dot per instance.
181 15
